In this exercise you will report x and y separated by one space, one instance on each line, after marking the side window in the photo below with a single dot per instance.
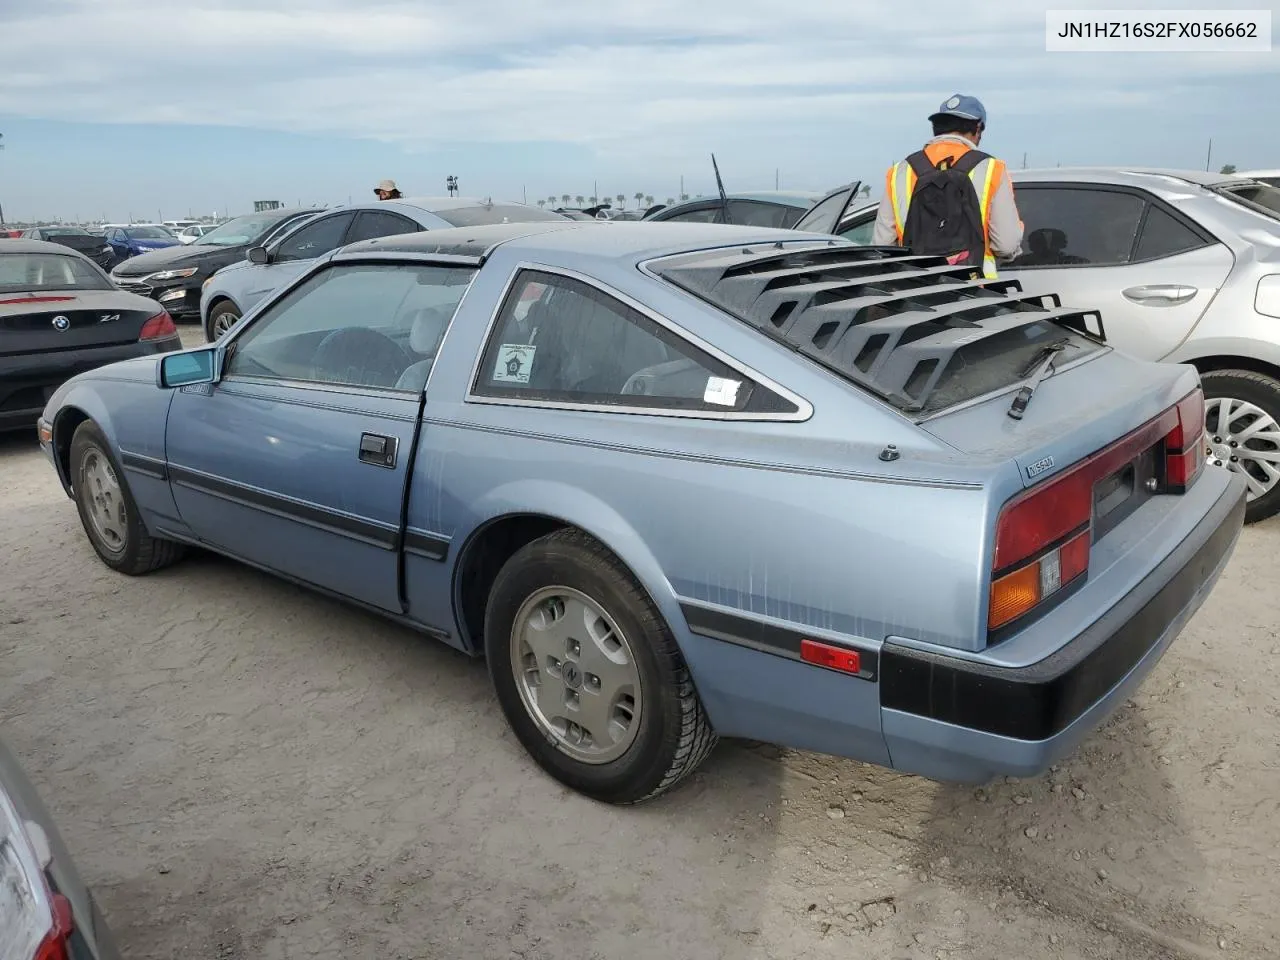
860 232
701 215
379 223
563 341
1077 227
315 239
1163 235
373 325
751 213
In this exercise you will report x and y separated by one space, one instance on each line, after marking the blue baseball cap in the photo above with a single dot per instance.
964 107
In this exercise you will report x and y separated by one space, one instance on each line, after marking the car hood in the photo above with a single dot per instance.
208 258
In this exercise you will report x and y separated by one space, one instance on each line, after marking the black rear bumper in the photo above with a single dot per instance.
28 380
1039 701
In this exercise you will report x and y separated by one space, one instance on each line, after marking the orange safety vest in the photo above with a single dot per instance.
986 177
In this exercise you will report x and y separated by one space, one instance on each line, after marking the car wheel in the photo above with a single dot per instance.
1242 433
589 675
107 510
221 319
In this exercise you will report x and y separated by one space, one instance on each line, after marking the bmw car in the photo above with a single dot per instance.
59 316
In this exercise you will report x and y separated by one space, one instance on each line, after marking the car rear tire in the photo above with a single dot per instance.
222 318
107 509
1242 433
589 675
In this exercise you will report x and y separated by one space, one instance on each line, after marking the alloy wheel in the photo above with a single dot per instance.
576 674
1245 438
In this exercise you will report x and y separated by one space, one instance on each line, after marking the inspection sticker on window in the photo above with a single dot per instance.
721 391
515 361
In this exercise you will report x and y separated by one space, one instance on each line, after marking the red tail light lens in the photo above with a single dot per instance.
35 923
1184 444
159 327
1044 535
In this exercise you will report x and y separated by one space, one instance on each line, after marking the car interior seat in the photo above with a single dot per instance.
428 328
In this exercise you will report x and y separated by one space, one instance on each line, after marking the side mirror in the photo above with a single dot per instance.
259 255
191 366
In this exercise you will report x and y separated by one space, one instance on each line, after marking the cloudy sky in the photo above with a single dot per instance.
111 108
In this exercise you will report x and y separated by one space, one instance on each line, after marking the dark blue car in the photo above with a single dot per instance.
126 242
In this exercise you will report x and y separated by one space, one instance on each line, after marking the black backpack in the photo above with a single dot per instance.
944 217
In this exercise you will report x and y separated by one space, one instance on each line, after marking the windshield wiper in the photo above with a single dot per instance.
1039 368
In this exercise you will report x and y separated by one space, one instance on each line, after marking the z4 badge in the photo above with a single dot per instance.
1039 467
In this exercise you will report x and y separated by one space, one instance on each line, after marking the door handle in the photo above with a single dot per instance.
1161 294
378 450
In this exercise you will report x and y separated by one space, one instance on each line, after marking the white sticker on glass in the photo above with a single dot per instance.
514 363
721 391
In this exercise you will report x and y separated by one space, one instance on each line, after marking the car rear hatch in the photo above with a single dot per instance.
32 324
999 377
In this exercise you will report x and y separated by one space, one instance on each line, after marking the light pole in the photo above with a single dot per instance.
1 204
452 183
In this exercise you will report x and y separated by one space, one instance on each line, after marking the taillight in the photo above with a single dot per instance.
35 923
1184 444
1044 535
159 327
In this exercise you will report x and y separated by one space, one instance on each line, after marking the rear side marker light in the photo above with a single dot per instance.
159 327
830 656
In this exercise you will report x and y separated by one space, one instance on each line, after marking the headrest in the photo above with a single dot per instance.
428 326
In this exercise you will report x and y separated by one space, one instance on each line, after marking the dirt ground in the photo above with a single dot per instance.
245 770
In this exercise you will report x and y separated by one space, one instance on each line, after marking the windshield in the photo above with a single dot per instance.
1256 195
64 232
496 213
149 233
47 271
239 231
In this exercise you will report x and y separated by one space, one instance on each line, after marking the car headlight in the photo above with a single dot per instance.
172 274
1267 299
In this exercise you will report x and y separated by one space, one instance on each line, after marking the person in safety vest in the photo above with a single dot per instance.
950 198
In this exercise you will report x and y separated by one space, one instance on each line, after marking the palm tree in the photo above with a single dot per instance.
594 200
580 199
639 199
622 202
648 200
670 201
551 200
684 197
565 198
542 203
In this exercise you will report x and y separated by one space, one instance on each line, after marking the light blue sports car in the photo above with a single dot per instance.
677 481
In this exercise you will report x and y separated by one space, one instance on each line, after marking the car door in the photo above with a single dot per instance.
1149 270
119 243
296 252
296 459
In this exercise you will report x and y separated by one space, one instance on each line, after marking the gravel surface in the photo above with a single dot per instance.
245 770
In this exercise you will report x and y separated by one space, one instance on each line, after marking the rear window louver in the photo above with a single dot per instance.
891 322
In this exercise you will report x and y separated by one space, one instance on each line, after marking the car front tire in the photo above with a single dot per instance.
107 509
589 675
221 319
1242 433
